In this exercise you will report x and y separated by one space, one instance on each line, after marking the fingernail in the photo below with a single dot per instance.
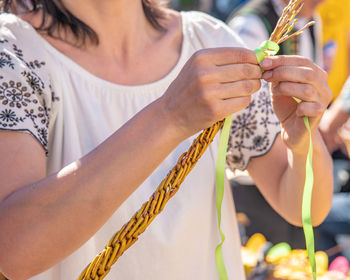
267 75
266 63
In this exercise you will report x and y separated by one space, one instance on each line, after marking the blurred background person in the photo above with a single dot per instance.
335 129
335 123
222 8
218 8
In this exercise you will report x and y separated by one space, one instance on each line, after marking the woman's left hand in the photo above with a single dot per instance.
295 76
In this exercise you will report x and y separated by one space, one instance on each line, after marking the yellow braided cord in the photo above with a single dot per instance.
129 233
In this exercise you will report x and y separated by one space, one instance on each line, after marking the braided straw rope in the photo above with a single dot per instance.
129 233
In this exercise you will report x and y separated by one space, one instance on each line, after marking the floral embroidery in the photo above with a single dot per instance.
14 94
31 64
41 118
34 81
8 115
23 105
54 97
253 130
17 51
8 118
43 135
5 59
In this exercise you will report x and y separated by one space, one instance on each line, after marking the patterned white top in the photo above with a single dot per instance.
70 112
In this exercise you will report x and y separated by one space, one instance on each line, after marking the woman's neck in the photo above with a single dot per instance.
130 50
121 26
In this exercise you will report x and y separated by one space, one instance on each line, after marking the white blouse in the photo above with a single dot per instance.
70 112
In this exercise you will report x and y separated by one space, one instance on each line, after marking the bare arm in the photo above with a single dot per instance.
331 123
282 183
283 187
71 205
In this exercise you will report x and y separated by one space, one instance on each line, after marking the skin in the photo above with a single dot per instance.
332 124
210 87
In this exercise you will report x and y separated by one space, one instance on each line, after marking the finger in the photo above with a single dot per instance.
305 92
273 62
297 74
238 89
310 109
237 72
232 105
225 56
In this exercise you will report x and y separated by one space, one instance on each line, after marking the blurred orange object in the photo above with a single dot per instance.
255 242
250 252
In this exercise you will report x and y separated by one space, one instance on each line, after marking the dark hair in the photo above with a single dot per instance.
62 18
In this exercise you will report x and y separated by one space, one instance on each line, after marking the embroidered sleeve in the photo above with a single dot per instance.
24 101
253 130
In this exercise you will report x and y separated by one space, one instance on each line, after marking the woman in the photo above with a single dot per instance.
116 96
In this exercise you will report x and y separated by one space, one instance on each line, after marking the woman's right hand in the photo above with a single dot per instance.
213 84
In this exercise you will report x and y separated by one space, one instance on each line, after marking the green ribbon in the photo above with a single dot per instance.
220 183
306 205
267 48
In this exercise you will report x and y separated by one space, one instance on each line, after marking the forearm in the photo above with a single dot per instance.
71 205
337 116
293 178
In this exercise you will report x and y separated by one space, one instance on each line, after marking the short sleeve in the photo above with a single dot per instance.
25 94
253 130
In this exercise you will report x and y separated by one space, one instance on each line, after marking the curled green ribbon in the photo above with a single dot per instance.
306 202
267 48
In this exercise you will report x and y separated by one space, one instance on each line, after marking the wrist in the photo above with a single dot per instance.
301 150
169 122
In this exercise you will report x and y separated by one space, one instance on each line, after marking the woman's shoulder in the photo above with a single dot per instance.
9 20
19 40
13 28
209 32
20 43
